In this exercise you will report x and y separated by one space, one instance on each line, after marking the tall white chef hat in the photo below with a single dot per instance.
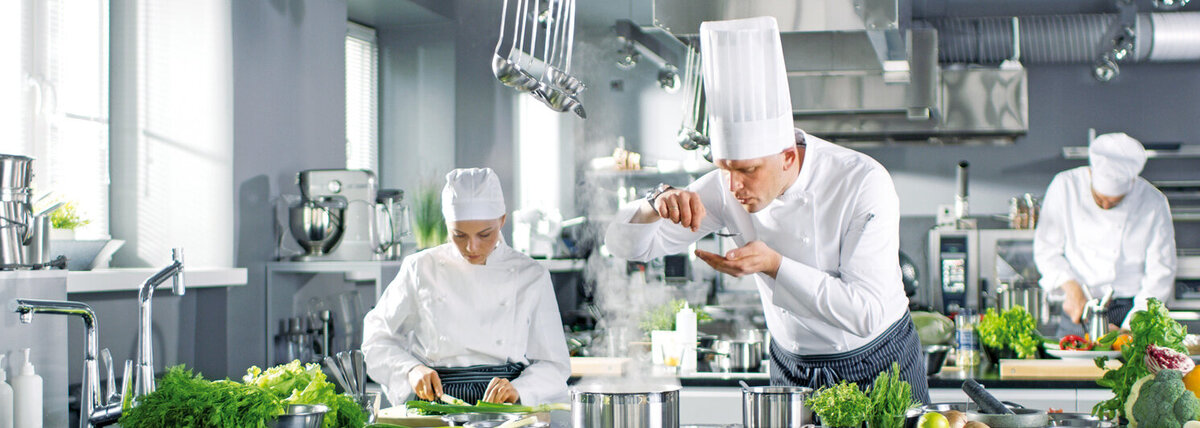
472 194
1116 161
745 83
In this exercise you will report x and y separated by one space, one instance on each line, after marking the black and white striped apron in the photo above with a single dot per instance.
899 343
471 382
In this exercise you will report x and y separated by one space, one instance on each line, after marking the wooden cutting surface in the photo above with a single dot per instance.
1067 369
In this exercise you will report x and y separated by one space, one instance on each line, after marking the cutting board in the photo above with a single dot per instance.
398 416
1068 369
598 366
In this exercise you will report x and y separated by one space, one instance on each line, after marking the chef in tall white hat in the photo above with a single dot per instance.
817 224
472 318
1102 226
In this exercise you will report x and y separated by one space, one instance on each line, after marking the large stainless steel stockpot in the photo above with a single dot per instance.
775 406
596 406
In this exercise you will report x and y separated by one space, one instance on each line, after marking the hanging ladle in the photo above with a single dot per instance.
509 72
551 95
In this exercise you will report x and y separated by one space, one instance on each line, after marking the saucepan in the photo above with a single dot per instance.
627 406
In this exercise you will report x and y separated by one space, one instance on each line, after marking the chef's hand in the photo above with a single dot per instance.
500 390
1073 305
755 257
681 206
425 382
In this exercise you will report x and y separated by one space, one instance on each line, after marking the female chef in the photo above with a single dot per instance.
472 318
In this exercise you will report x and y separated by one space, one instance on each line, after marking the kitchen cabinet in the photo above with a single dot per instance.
46 336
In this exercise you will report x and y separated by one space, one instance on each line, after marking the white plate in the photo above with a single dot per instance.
1054 350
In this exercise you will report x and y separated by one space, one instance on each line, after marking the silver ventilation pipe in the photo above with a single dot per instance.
1063 39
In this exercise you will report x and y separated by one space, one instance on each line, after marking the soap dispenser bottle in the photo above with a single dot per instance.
6 398
27 396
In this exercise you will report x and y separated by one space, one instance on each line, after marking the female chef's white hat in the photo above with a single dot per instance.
745 84
1116 161
472 194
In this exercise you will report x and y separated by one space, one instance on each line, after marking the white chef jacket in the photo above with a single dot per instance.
443 311
1130 247
837 228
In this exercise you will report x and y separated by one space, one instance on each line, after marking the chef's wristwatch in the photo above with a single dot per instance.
656 191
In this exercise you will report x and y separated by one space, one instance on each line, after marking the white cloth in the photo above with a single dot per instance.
1130 247
443 311
1116 160
838 230
745 88
472 194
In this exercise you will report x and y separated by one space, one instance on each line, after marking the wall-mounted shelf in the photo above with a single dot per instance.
1185 151
129 279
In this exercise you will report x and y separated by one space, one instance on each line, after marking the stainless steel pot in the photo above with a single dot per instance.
1027 295
775 406
620 407
745 356
16 172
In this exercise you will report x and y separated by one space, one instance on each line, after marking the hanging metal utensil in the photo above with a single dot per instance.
550 94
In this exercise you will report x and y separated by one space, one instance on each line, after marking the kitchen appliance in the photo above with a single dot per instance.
775 406
967 266
316 224
391 213
627 406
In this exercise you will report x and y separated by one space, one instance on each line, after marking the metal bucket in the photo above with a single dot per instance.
625 409
775 406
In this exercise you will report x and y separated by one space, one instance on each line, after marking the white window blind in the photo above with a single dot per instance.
362 98
54 100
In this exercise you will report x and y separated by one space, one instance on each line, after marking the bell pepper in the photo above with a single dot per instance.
1074 343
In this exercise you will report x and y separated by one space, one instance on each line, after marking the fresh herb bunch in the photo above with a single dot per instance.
184 399
1151 326
841 405
430 225
295 383
891 398
67 217
1014 329
663 316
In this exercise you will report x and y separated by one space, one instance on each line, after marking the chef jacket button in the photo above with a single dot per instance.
504 303
443 339
500 341
803 200
804 239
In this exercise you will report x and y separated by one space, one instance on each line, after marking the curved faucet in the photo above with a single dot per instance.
144 383
94 411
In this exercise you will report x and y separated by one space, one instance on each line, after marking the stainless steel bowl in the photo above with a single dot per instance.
317 226
935 356
1079 420
301 416
478 419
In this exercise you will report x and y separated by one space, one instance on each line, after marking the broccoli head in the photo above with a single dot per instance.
1161 401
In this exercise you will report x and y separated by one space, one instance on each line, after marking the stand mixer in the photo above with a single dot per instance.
335 219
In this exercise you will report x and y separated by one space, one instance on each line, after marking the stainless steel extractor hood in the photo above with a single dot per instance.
858 76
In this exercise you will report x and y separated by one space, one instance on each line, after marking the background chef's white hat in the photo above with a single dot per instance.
472 194
1116 161
745 84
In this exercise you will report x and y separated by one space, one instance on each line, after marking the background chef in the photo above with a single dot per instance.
817 224
474 318
1104 226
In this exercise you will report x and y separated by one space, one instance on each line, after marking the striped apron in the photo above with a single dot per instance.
899 343
471 382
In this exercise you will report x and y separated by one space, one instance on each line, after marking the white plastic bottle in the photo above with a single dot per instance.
27 396
6 398
685 331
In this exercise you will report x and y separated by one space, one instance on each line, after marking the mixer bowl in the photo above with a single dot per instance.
316 226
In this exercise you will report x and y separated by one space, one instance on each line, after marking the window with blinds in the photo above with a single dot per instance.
362 98
54 101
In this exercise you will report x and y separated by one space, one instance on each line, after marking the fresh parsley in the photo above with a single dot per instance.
841 405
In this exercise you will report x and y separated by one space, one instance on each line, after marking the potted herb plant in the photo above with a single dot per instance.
64 221
428 224
840 406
